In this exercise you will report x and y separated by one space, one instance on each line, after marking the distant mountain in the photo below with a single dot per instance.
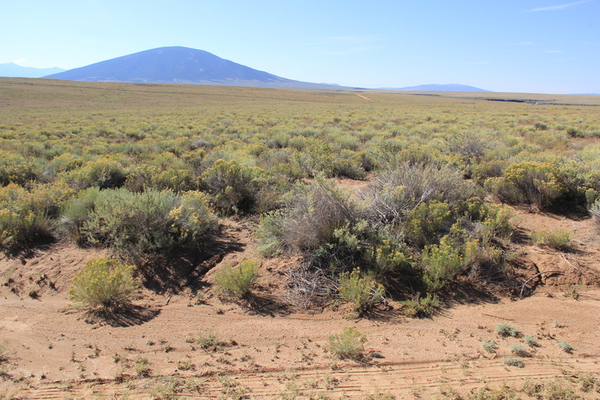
181 65
13 70
452 87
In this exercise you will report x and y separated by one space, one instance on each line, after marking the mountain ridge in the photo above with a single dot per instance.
181 65
448 87
12 70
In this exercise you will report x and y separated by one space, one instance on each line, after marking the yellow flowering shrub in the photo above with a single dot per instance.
103 285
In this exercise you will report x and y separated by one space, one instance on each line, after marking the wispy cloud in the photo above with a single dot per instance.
559 6
19 61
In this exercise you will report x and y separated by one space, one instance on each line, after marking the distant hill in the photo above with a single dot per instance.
184 66
452 87
12 70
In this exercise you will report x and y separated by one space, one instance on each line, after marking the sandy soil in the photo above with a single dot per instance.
267 349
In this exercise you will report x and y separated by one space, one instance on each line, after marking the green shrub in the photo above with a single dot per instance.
426 223
309 220
316 159
441 264
514 362
566 347
3 346
209 341
348 164
489 346
533 388
587 383
470 145
350 344
271 233
64 163
555 390
168 388
177 180
233 187
103 285
422 307
519 350
15 168
386 252
496 219
560 240
236 281
104 173
27 217
142 367
530 341
505 330
133 224
502 393
398 191
360 289
534 183
77 211
488 169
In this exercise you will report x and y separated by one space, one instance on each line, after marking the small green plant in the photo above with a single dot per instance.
588 382
531 341
3 346
168 388
103 285
533 388
519 350
505 330
236 281
231 389
142 367
558 324
502 393
514 362
490 346
422 307
362 290
379 396
574 291
442 263
350 344
566 347
449 393
185 364
558 239
210 341
559 391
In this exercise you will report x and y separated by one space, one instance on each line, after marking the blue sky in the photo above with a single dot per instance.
536 46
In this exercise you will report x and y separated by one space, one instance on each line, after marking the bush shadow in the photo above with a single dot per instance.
132 316
182 269
260 304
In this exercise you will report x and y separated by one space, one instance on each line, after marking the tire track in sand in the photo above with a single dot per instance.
405 379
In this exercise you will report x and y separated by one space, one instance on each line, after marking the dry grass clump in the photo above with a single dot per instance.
560 240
